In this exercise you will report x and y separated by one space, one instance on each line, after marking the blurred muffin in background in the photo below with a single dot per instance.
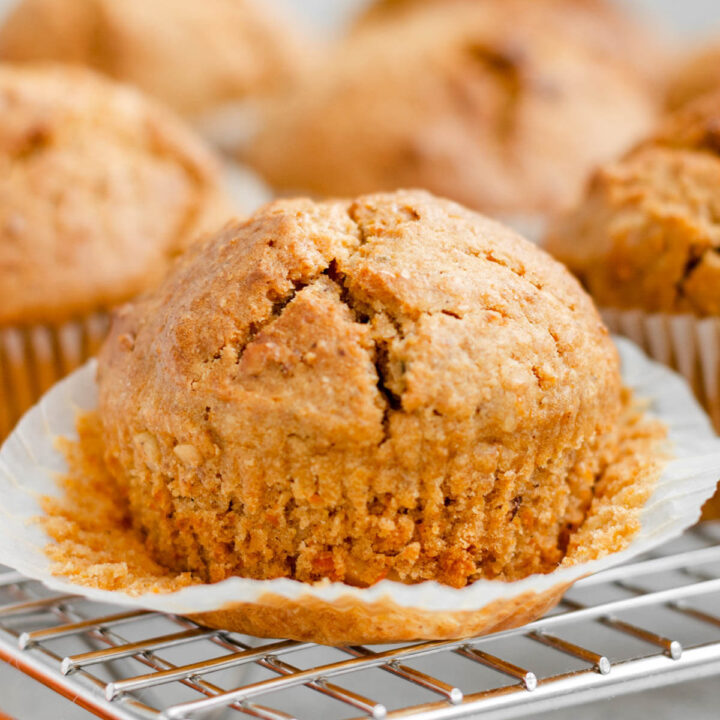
697 76
195 56
645 242
646 233
495 105
603 25
99 190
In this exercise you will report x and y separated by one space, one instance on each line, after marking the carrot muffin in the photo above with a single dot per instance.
195 56
491 105
99 189
698 75
644 241
391 387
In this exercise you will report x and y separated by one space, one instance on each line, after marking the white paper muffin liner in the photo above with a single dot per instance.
30 463
34 357
688 344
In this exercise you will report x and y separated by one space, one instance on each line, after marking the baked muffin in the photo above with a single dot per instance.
391 387
698 75
602 24
644 241
99 189
194 56
492 105
644 236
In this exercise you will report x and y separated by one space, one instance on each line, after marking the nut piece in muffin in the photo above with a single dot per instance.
99 190
645 243
494 105
195 56
391 387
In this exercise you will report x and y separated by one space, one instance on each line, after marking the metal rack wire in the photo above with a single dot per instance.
651 623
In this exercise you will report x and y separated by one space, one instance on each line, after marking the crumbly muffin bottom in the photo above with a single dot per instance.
498 519
95 544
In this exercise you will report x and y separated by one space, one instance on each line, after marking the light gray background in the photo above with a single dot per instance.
689 20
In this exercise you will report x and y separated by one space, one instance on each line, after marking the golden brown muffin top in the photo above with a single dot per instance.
192 54
495 105
99 188
646 234
355 381
698 75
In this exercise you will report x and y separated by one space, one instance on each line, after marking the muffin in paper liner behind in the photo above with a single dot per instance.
327 612
686 343
102 189
34 357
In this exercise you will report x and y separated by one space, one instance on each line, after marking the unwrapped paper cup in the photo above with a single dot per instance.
334 613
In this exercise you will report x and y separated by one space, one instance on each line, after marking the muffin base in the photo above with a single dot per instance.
34 357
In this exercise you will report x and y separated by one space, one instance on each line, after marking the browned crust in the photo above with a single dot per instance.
605 26
645 236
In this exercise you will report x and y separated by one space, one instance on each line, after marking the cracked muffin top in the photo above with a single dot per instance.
99 189
192 55
393 387
646 234
495 105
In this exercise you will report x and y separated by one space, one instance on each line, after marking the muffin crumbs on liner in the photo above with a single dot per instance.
95 545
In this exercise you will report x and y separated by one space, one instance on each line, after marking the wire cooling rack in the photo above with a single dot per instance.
648 624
